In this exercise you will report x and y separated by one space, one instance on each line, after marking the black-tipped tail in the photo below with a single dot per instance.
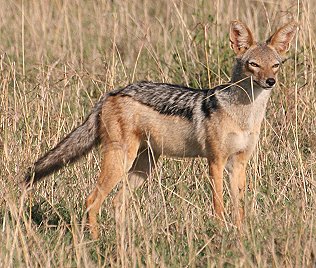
76 144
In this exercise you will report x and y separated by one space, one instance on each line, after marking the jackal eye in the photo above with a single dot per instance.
276 65
253 64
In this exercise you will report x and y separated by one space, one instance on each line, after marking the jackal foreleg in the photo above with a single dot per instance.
237 173
216 169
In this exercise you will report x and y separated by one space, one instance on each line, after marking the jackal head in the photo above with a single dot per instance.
260 61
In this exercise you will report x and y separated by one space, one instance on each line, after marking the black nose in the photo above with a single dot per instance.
270 82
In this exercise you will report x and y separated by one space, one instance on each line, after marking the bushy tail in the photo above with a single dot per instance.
76 144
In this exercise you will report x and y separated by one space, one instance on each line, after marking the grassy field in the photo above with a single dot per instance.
58 57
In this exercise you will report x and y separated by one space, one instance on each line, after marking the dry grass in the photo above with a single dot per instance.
57 57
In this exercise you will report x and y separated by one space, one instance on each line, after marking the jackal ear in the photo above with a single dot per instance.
240 37
282 38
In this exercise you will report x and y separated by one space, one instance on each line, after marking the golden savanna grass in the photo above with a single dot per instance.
58 57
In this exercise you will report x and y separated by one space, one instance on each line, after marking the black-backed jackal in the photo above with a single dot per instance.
138 123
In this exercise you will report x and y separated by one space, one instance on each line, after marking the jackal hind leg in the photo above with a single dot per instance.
117 160
237 173
141 169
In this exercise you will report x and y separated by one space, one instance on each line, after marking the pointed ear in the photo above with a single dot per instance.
282 38
240 37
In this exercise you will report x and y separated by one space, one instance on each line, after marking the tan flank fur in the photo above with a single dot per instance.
138 123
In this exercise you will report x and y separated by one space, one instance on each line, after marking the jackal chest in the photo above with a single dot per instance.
243 130
240 141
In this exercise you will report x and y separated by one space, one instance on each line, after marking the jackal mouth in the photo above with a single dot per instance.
267 87
263 86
